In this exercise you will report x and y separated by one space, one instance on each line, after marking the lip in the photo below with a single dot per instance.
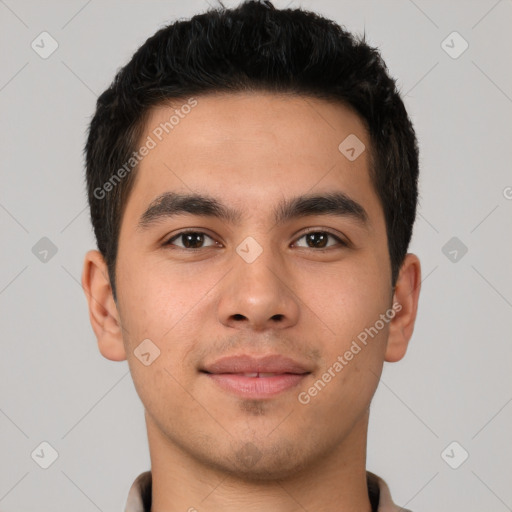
241 374
244 363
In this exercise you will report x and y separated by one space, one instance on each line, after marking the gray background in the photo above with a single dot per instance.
453 385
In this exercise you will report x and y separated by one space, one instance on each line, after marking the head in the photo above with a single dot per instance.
252 48
274 133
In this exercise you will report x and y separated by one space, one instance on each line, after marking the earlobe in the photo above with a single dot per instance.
103 313
405 303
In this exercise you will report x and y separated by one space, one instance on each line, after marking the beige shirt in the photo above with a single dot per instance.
139 496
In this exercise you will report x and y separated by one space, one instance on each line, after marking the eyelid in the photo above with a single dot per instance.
341 240
201 231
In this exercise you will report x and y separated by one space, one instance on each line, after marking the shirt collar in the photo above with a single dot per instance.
139 496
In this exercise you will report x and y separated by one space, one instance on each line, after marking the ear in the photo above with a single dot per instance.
405 304
103 312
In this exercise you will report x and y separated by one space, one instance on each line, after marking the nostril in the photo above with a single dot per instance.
238 317
278 318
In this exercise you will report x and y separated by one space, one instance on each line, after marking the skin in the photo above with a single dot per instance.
250 151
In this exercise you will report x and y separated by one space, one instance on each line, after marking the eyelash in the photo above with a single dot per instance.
316 231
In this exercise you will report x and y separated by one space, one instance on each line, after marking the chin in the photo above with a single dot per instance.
256 464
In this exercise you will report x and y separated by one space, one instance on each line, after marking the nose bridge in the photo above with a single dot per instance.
260 268
257 270
257 293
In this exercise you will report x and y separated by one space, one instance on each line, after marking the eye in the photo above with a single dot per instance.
191 240
199 240
319 240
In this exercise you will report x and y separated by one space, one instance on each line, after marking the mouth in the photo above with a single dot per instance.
260 375
256 378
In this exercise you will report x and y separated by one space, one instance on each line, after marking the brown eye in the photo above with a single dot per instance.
190 240
319 240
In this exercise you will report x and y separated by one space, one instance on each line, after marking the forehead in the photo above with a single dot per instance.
249 116
252 149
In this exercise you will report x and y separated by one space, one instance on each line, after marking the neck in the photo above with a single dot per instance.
334 482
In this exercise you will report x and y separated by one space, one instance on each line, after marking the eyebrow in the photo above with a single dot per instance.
171 204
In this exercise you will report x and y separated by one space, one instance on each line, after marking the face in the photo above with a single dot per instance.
251 266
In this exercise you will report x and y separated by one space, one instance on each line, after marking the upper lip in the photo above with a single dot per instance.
249 364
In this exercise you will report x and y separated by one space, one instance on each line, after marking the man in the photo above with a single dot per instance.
252 178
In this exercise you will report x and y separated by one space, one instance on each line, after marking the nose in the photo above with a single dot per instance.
258 295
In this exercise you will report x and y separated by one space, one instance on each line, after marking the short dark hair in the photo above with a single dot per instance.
254 47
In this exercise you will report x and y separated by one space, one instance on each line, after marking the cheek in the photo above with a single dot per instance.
173 309
156 298
345 300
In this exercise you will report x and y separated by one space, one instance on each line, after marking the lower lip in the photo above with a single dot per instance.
256 387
